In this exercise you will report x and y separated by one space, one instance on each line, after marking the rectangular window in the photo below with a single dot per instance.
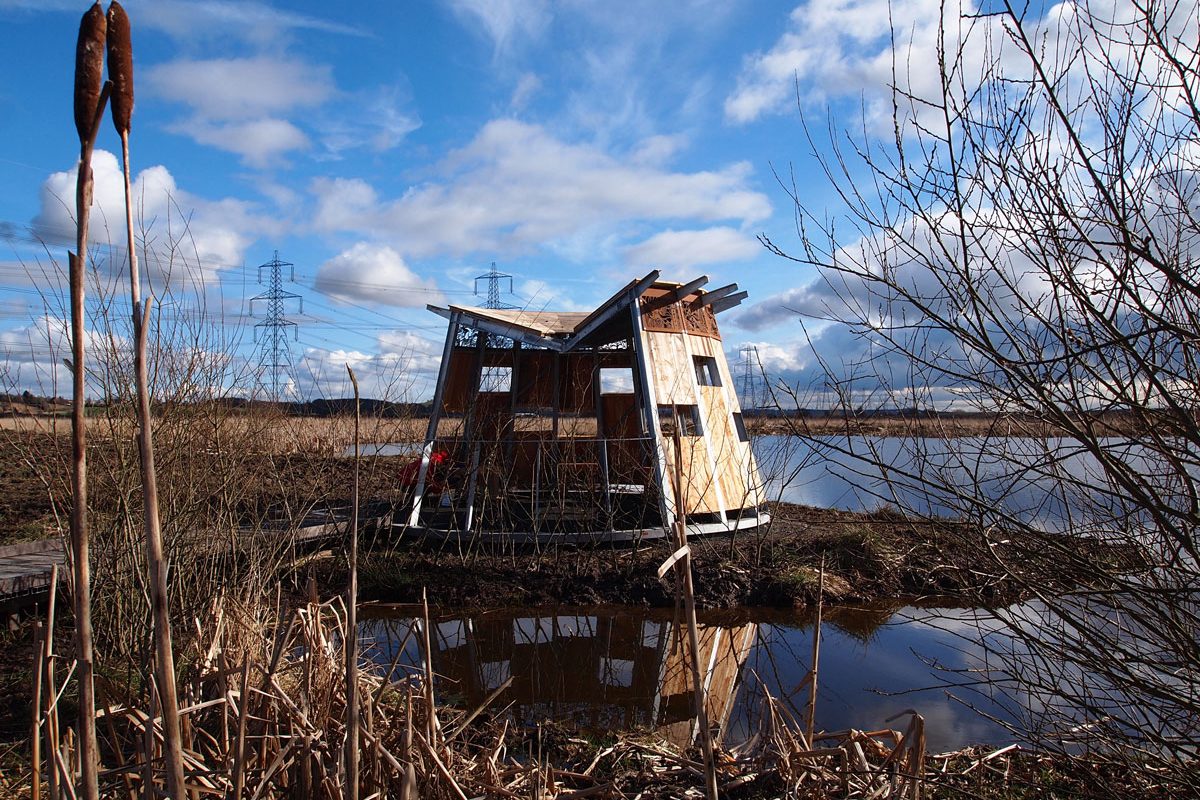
740 425
686 417
495 379
707 373
616 380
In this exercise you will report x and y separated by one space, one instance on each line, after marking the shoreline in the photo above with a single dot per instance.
867 558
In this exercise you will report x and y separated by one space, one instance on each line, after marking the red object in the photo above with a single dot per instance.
435 479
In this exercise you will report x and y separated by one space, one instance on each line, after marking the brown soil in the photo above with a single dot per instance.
866 557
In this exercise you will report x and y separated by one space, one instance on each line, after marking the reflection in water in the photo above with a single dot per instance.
616 668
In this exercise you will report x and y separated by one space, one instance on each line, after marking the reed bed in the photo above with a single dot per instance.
263 710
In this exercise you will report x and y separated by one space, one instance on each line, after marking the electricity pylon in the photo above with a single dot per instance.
275 370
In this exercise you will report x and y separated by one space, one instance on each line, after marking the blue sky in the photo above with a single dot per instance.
392 151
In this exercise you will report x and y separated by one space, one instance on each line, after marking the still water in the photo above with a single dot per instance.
616 668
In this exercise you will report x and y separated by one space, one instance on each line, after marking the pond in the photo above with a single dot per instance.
617 668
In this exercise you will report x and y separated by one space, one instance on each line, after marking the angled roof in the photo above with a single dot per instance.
567 330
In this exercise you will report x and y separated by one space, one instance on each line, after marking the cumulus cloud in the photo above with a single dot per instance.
376 274
33 355
515 186
683 249
215 234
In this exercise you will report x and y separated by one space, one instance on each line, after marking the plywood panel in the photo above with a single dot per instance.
671 368
736 468
535 379
460 380
578 393
699 489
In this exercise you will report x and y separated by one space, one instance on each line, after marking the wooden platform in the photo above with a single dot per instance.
25 568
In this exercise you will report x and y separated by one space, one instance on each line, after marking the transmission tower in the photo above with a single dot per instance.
751 375
275 370
493 279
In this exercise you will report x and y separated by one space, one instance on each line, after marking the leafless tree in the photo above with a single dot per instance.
1025 240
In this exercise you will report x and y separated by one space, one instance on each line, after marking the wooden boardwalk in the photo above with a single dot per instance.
25 568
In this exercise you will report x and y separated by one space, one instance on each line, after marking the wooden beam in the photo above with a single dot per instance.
688 288
708 298
726 303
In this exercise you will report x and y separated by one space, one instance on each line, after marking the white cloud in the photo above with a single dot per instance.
683 249
505 21
403 369
375 274
342 203
527 86
515 187
775 358
259 142
377 120
221 20
241 88
238 104
32 355
178 227
844 49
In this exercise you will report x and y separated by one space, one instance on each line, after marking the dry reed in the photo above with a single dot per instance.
265 711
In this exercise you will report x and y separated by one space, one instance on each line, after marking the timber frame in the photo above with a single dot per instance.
561 425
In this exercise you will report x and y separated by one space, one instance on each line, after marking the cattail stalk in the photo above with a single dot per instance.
120 70
91 93
352 760
683 570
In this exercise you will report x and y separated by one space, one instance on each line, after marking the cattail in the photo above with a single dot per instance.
120 66
89 70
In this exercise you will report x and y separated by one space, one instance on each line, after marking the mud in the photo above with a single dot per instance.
864 558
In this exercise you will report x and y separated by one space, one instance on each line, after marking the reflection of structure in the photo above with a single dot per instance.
597 672
565 420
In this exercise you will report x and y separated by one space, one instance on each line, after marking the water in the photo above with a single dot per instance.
617 668
612 668
1051 484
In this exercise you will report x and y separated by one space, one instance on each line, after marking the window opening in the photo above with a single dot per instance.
707 373
686 417
740 424
616 380
495 379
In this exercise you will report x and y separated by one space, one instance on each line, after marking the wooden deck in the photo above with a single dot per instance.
25 568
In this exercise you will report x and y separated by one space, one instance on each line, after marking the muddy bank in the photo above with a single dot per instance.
866 557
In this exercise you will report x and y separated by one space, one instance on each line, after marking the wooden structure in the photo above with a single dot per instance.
562 423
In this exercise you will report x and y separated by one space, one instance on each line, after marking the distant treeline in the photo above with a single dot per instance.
27 403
